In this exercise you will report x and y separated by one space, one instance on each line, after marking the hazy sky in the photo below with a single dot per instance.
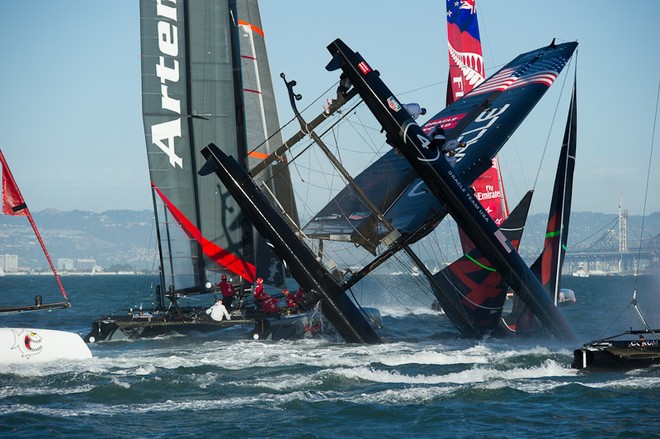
71 124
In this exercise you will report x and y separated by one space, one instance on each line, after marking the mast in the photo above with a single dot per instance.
547 267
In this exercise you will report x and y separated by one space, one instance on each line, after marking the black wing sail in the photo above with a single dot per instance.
548 266
486 118
205 78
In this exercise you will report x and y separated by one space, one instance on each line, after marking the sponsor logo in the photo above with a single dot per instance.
487 119
334 216
393 103
164 134
358 215
364 67
27 342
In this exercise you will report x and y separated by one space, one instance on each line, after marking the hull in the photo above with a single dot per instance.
145 325
304 325
136 325
294 326
29 345
618 353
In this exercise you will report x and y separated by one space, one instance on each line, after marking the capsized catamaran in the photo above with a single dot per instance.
30 345
486 117
205 78
533 71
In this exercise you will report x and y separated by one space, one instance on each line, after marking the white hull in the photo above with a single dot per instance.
30 345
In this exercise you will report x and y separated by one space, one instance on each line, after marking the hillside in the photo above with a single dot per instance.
128 236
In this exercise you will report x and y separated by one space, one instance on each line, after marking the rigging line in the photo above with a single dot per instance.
311 142
294 117
607 330
552 124
604 230
646 190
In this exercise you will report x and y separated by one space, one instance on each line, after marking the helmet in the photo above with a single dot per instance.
437 131
450 146
223 277
260 280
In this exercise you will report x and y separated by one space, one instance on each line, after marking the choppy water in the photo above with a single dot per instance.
423 382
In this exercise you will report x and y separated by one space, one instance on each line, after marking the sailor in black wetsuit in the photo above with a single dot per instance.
439 142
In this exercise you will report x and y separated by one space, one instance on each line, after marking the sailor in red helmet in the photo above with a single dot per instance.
259 293
291 302
227 290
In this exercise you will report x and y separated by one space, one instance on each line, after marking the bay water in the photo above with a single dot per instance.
423 381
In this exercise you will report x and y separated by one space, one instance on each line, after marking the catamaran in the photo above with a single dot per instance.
26 344
205 78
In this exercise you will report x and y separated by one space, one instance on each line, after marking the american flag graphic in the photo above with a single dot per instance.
540 70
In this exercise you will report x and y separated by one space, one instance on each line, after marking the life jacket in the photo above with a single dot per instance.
291 301
227 289
269 305
259 293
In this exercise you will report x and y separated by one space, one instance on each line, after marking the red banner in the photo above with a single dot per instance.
12 200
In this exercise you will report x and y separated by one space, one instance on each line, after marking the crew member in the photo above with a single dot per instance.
414 109
449 149
437 138
259 293
291 302
269 305
344 86
218 311
342 89
227 290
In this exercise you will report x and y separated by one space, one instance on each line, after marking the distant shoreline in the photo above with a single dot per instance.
70 273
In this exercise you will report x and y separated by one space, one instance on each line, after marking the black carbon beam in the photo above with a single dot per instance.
336 306
448 187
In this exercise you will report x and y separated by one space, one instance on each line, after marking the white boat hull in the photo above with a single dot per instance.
30 345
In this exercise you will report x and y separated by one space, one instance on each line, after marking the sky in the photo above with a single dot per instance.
71 123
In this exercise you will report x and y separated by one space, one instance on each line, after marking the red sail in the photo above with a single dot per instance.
466 71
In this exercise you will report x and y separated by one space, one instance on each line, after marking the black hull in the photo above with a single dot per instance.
155 324
135 326
291 327
618 354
